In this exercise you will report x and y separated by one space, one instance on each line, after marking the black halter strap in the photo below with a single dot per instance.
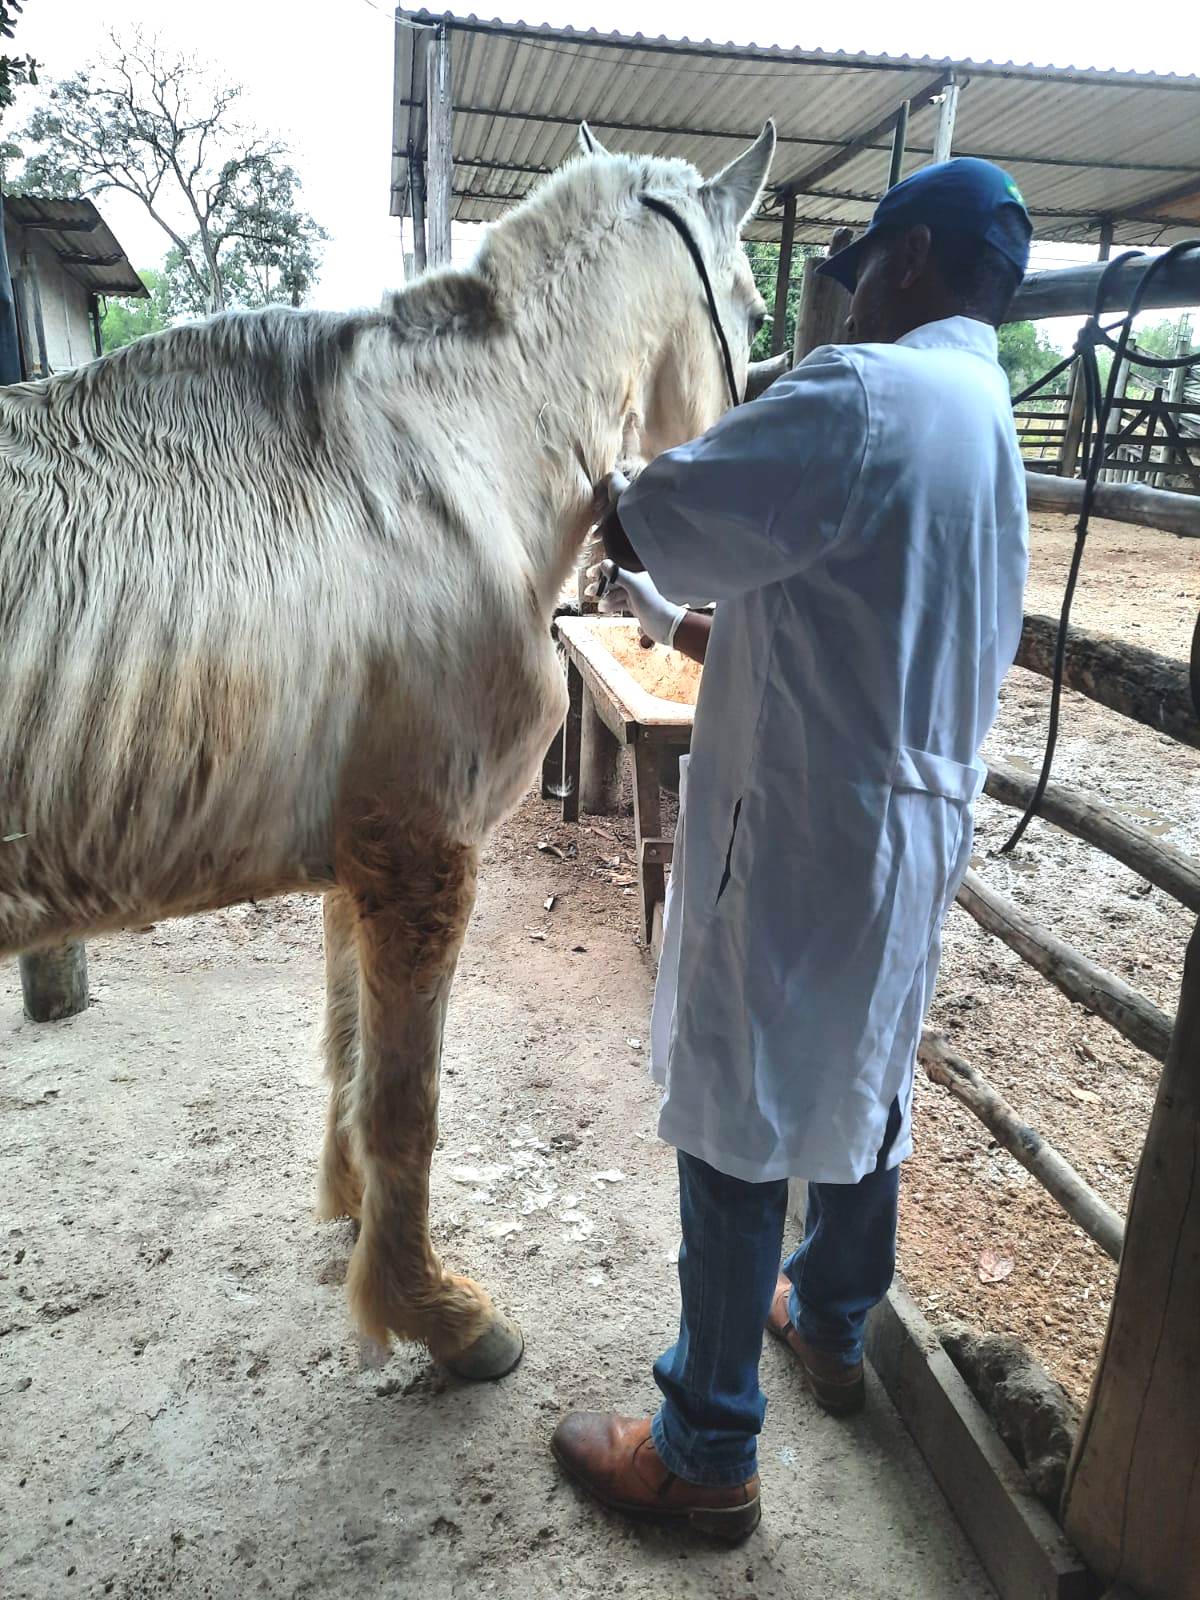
693 249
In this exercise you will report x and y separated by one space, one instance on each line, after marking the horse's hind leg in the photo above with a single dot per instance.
339 1192
413 901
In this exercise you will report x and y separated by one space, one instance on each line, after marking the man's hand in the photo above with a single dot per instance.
635 591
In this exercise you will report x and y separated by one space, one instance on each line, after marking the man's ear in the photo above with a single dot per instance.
915 250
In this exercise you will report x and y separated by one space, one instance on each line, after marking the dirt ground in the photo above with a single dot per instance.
183 1407
184 1410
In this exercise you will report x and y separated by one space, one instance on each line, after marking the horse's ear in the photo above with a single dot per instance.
735 192
589 143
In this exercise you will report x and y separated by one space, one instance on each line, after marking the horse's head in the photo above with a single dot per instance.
685 387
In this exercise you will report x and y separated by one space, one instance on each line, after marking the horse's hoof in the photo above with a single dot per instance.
493 1355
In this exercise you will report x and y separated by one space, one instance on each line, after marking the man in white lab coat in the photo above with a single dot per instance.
862 531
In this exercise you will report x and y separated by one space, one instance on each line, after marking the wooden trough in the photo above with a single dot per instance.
609 711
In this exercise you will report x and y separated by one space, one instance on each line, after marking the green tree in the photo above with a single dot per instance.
126 320
764 263
1026 355
161 128
14 70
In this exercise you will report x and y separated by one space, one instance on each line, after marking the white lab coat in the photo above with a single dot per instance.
862 528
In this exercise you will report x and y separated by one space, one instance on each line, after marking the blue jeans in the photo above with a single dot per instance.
712 1410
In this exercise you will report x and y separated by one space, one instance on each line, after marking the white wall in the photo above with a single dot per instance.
64 301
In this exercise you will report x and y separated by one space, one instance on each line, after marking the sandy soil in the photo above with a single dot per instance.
661 672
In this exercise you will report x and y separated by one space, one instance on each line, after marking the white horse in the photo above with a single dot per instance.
275 601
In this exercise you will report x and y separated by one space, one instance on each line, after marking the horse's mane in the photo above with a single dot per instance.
292 359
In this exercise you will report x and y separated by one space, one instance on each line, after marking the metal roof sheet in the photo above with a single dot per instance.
82 241
1083 144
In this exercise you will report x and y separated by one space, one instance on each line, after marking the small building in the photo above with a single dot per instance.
63 260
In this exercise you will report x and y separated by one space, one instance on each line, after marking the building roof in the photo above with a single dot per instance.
81 239
1084 145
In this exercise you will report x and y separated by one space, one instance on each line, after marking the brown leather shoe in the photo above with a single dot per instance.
835 1387
615 1460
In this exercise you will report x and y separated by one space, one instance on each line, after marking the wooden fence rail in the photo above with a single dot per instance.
1109 997
1056 1175
1152 689
1168 869
1122 502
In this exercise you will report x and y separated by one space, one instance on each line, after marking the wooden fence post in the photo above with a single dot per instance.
416 195
439 115
821 317
783 277
1132 1500
54 983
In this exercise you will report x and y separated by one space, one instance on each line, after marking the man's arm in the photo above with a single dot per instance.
692 635
760 496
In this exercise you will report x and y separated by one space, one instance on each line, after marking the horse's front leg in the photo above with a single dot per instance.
412 906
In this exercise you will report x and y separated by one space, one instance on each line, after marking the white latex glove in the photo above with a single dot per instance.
635 591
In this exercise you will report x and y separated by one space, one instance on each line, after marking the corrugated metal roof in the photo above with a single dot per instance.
82 241
1083 144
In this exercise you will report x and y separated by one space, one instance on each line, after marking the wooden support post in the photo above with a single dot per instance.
1055 1174
416 195
783 277
552 769
1160 864
1110 997
647 823
54 983
39 323
1068 461
572 734
1138 683
947 111
439 116
94 318
899 139
1132 1500
601 763
824 304
1115 416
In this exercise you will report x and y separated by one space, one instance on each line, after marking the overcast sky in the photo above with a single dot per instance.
320 75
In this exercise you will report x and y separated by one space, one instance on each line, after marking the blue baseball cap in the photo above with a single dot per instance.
964 196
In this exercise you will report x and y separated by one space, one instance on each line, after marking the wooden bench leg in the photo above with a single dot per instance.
600 764
572 733
552 769
647 820
54 983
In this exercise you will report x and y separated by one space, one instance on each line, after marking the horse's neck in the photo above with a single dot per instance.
572 409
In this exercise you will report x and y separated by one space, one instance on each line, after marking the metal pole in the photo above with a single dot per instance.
898 140
783 279
947 111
